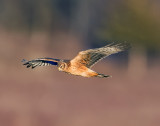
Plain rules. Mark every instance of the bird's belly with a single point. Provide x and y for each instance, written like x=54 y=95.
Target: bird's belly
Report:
x=82 y=71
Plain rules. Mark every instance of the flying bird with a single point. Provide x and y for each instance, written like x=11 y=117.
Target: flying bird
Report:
x=82 y=63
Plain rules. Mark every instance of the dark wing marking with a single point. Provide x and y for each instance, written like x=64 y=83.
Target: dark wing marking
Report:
x=41 y=62
x=92 y=56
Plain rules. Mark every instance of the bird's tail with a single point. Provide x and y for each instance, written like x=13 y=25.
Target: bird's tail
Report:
x=103 y=76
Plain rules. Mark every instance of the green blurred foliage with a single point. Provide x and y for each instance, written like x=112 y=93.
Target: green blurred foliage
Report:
x=94 y=21
x=28 y=15
x=134 y=21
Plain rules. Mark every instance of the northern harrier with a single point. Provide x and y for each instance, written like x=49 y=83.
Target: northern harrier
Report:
x=82 y=63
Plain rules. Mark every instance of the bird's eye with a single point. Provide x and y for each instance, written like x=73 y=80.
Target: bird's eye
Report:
x=62 y=66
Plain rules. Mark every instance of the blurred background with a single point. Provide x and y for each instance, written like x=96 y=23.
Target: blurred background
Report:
x=32 y=29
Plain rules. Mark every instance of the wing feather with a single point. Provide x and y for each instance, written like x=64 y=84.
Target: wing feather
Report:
x=41 y=62
x=92 y=56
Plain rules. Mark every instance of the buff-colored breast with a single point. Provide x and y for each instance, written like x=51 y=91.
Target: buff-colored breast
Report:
x=81 y=70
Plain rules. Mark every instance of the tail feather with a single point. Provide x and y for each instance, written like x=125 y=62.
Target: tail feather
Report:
x=103 y=76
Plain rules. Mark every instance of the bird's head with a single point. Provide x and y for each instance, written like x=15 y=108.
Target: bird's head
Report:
x=62 y=66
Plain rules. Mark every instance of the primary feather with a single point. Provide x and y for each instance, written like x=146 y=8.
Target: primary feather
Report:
x=41 y=62
x=92 y=56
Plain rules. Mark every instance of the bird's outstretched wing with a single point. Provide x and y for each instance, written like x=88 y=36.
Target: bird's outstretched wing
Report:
x=41 y=62
x=92 y=56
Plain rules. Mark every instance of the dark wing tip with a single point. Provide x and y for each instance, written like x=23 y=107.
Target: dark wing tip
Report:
x=27 y=63
x=40 y=62
x=122 y=46
x=125 y=46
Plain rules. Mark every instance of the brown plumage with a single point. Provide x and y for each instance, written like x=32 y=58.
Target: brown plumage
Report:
x=82 y=63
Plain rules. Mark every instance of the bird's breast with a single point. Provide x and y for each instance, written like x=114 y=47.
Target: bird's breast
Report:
x=81 y=70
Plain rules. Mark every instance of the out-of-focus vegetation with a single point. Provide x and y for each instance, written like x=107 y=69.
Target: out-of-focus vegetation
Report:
x=95 y=21
x=135 y=21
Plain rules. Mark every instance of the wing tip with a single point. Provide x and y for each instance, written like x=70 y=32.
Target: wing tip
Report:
x=43 y=62
x=123 y=46
x=25 y=62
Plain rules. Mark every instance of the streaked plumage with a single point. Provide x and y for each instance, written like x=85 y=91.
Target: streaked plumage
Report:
x=82 y=63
